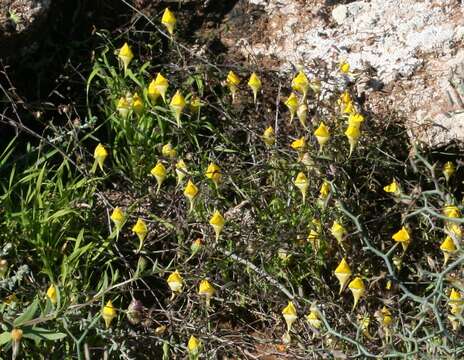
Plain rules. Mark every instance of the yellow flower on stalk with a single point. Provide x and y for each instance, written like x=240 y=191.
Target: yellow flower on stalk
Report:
x=313 y=319
x=168 y=151
x=217 y=222
x=137 y=104
x=140 y=229
x=455 y=299
x=290 y=315
x=300 y=83
x=299 y=144
x=403 y=237
x=352 y=133
x=175 y=282
x=269 y=136
x=448 y=248
x=213 y=172
x=52 y=294
x=117 y=216
x=348 y=108
x=322 y=135
x=190 y=193
x=393 y=188
x=343 y=274
x=181 y=170
x=195 y=104
x=108 y=313
x=338 y=232
x=99 y=154
x=454 y=230
x=123 y=107
x=193 y=346
x=125 y=55
x=345 y=98
x=302 y=114
x=355 y=119
x=386 y=317
x=159 y=172
x=207 y=290
x=158 y=86
x=292 y=105
x=169 y=20
x=255 y=84
x=344 y=67
x=448 y=170
x=177 y=105
x=232 y=83
x=302 y=183
x=357 y=289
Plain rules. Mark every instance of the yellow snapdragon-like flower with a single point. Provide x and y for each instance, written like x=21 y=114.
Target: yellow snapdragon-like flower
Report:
x=344 y=67
x=357 y=289
x=403 y=237
x=99 y=154
x=352 y=133
x=448 y=170
x=302 y=114
x=177 y=106
x=302 y=183
x=181 y=170
x=232 y=83
x=213 y=172
x=159 y=172
x=292 y=104
x=117 y=216
x=168 y=151
x=52 y=294
x=338 y=232
x=299 y=144
x=169 y=20
x=343 y=274
x=140 y=229
x=126 y=55
x=217 y=222
x=190 y=192
x=158 y=86
x=300 y=83
x=193 y=346
x=207 y=290
x=175 y=282
x=255 y=84
x=108 y=313
x=137 y=104
x=123 y=107
x=322 y=135
x=290 y=315
x=269 y=136
x=393 y=188
x=448 y=248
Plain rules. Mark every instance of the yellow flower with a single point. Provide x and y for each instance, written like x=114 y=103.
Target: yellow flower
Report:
x=195 y=104
x=455 y=302
x=448 y=248
x=52 y=294
x=325 y=190
x=448 y=170
x=125 y=55
x=454 y=230
x=402 y=237
x=169 y=20
x=193 y=346
x=207 y=290
x=175 y=282
x=393 y=188
x=196 y=246
x=177 y=106
x=168 y=151
x=313 y=319
x=108 y=313
x=292 y=105
x=213 y=172
x=345 y=67
x=158 y=86
x=181 y=170
x=159 y=172
x=322 y=135
x=299 y=144
x=190 y=193
x=255 y=84
x=386 y=317
x=290 y=315
x=141 y=230
x=357 y=289
x=16 y=335
x=137 y=104
x=451 y=211
x=355 y=119
x=117 y=216
x=217 y=222
x=302 y=183
x=338 y=231
x=300 y=83
x=100 y=154
x=348 y=108
x=302 y=113
x=313 y=239
x=343 y=273
x=352 y=133
x=232 y=82
x=345 y=98
x=123 y=107
x=269 y=136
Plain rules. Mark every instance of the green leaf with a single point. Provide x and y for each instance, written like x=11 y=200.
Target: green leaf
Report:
x=5 y=337
x=28 y=314
x=38 y=334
